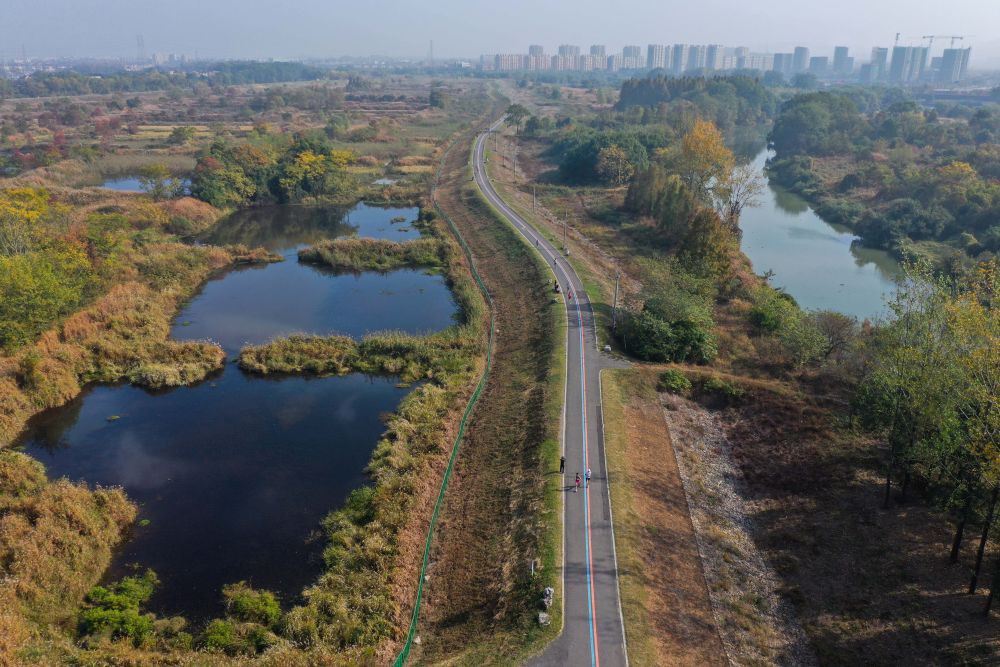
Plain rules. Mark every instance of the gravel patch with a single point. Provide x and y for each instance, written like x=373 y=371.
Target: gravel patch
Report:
x=756 y=625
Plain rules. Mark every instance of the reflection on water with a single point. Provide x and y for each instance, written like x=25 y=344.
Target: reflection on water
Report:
x=819 y=264
x=234 y=474
x=133 y=184
x=288 y=228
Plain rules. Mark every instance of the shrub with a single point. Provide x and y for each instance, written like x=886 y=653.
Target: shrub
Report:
x=246 y=604
x=771 y=309
x=716 y=388
x=651 y=338
x=220 y=635
x=114 y=611
x=674 y=382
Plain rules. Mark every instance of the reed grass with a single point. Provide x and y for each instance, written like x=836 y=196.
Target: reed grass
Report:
x=374 y=254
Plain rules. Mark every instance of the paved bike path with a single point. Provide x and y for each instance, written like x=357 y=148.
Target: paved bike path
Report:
x=593 y=631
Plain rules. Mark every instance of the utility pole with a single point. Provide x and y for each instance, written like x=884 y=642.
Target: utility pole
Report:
x=614 y=308
x=534 y=196
x=565 y=245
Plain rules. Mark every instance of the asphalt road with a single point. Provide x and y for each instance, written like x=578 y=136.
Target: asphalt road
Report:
x=593 y=631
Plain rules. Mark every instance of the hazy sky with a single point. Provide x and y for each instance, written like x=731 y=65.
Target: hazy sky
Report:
x=301 y=28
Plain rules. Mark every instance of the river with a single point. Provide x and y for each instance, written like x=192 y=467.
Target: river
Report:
x=819 y=264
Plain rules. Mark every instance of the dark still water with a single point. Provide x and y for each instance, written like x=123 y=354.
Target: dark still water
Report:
x=233 y=475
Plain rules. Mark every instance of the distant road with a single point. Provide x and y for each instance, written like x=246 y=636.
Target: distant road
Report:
x=593 y=631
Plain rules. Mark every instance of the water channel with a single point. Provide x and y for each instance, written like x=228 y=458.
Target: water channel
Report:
x=819 y=264
x=234 y=474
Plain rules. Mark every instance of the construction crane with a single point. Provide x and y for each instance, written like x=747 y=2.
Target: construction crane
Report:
x=931 y=39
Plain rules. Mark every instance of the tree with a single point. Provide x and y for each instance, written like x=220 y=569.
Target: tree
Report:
x=703 y=161
x=974 y=318
x=22 y=212
x=908 y=396
x=157 y=181
x=438 y=98
x=516 y=114
x=613 y=165
x=739 y=189
x=181 y=135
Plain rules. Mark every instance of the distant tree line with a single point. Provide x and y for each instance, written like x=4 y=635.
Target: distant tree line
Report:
x=46 y=84
x=725 y=100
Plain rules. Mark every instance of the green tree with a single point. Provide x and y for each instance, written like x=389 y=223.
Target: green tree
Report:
x=516 y=114
x=613 y=166
x=180 y=135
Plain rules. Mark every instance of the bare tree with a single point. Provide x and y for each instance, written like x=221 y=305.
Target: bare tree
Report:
x=741 y=189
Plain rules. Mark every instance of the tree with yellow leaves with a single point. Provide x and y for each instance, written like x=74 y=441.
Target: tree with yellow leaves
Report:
x=703 y=161
x=22 y=212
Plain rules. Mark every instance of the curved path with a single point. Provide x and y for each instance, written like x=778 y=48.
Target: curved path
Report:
x=593 y=631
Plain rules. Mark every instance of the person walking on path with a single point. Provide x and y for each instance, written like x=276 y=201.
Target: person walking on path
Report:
x=562 y=464
x=577 y=488
x=587 y=477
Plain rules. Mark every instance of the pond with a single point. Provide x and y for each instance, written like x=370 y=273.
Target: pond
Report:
x=234 y=474
x=821 y=265
x=132 y=184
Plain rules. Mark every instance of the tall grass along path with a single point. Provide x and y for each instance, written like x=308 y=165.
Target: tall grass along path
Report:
x=411 y=632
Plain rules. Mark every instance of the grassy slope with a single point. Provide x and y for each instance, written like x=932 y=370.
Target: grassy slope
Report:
x=500 y=502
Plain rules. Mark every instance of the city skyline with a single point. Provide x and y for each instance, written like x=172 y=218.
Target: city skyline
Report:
x=315 y=29
x=903 y=64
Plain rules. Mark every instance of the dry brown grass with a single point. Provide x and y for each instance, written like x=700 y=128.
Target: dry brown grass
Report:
x=56 y=539
x=667 y=609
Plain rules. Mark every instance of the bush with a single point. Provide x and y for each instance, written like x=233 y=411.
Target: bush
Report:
x=674 y=382
x=248 y=605
x=771 y=309
x=654 y=339
x=114 y=611
x=220 y=635
x=716 y=388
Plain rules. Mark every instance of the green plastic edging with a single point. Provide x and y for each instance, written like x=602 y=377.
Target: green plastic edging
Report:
x=405 y=652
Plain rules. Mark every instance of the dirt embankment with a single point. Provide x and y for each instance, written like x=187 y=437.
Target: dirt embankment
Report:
x=492 y=524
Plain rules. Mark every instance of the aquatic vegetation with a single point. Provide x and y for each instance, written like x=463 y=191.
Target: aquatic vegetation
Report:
x=374 y=254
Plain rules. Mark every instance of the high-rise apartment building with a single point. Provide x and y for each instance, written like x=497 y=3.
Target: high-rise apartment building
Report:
x=879 y=64
x=800 y=59
x=569 y=50
x=842 y=62
x=656 y=56
x=632 y=57
x=819 y=65
x=783 y=63
x=696 y=57
x=597 y=50
x=713 y=56
x=536 y=50
x=763 y=62
x=954 y=63
x=510 y=62
x=908 y=63
x=678 y=58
